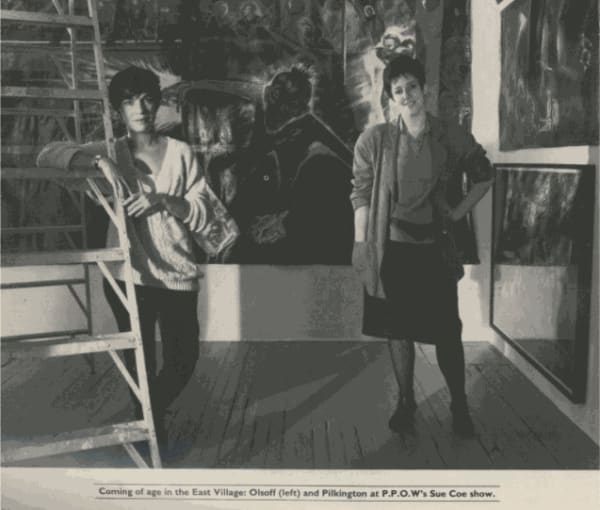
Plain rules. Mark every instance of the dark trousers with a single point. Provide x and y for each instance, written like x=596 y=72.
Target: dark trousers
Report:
x=176 y=314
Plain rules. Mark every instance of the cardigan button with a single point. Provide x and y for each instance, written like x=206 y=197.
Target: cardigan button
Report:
x=266 y=178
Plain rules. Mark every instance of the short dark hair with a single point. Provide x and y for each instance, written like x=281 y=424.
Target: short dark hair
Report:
x=400 y=65
x=131 y=82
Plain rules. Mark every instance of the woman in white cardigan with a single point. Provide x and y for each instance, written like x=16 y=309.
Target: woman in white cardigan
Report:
x=165 y=204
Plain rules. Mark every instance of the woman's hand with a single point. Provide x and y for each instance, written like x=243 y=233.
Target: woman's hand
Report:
x=360 y=256
x=139 y=204
x=475 y=194
x=108 y=168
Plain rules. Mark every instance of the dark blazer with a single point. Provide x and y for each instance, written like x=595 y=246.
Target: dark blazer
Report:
x=457 y=160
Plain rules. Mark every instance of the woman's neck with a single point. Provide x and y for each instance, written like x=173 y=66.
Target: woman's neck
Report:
x=143 y=141
x=415 y=125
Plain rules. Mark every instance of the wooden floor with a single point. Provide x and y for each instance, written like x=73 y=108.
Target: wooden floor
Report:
x=303 y=405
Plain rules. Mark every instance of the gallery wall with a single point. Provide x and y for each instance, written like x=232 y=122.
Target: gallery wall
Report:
x=319 y=302
x=272 y=302
x=486 y=91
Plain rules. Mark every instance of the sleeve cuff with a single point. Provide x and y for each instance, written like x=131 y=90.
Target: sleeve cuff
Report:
x=196 y=219
x=358 y=202
x=56 y=158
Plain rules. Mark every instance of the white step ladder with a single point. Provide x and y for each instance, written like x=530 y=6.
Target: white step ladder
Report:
x=53 y=344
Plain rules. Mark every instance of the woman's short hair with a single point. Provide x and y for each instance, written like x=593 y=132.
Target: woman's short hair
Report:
x=131 y=82
x=400 y=65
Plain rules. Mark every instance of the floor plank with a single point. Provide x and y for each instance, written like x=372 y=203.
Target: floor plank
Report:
x=561 y=438
x=305 y=405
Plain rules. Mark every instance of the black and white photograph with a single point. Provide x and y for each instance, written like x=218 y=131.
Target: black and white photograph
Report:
x=299 y=253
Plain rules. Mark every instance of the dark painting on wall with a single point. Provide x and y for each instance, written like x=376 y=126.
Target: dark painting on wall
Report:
x=262 y=91
x=256 y=87
x=541 y=215
x=454 y=99
x=549 y=74
x=277 y=166
x=542 y=238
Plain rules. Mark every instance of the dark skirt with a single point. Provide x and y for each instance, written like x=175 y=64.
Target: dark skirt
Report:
x=421 y=296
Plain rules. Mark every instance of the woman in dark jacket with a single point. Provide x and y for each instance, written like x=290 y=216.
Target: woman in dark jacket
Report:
x=408 y=203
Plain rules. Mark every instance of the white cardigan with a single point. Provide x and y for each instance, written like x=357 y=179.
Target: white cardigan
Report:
x=161 y=245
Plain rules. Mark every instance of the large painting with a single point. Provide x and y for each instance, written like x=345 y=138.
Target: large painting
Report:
x=270 y=93
x=256 y=87
x=549 y=82
x=542 y=267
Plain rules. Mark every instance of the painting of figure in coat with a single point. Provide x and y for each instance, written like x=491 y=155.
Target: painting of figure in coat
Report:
x=280 y=170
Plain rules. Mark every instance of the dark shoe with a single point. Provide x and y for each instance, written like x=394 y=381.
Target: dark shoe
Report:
x=403 y=418
x=462 y=425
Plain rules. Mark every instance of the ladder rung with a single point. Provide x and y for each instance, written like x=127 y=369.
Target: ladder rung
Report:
x=48 y=173
x=41 y=229
x=29 y=112
x=42 y=283
x=14 y=450
x=55 y=93
x=42 y=18
x=45 y=335
x=69 y=345
x=43 y=46
x=62 y=257
x=20 y=150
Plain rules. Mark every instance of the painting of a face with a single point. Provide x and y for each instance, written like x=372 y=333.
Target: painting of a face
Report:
x=249 y=10
x=217 y=123
x=397 y=40
x=287 y=96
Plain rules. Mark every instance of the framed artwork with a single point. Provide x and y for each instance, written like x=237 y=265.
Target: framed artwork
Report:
x=542 y=265
x=549 y=74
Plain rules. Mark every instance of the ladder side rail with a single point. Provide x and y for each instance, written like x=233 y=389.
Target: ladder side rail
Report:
x=80 y=345
x=135 y=325
x=135 y=456
x=124 y=241
x=113 y=283
x=59 y=8
x=74 y=73
x=72 y=31
x=125 y=373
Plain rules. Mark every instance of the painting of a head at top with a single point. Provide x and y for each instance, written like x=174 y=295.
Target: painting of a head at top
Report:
x=549 y=75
